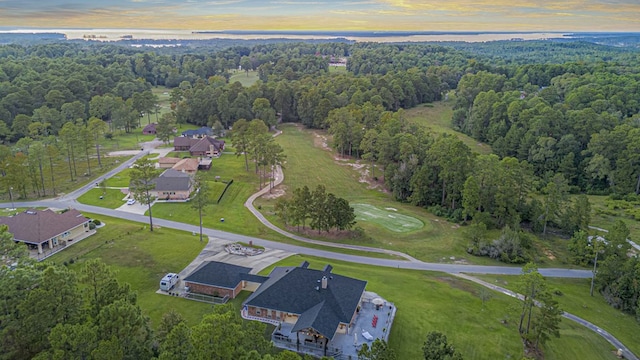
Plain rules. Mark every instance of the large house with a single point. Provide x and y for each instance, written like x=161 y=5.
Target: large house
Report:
x=46 y=229
x=206 y=146
x=188 y=165
x=314 y=305
x=150 y=129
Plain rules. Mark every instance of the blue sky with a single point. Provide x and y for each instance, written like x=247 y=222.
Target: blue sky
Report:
x=430 y=15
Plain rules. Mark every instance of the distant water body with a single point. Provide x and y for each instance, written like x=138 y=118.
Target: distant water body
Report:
x=360 y=36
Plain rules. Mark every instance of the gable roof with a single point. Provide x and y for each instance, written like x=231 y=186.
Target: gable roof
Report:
x=181 y=141
x=172 y=180
x=205 y=143
x=298 y=290
x=222 y=275
x=168 y=160
x=37 y=226
x=205 y=130
x=187 y=165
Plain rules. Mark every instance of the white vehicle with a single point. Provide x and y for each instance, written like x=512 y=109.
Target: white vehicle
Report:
x=131 y=201
x=169 y=281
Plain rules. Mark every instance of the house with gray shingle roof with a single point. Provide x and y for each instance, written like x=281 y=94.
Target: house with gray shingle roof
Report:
x=315 y=304
x=173 y=185
x=45 y=228
x=221 y=279
x=206 y=146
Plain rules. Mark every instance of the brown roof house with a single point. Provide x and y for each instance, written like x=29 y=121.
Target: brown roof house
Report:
x=206 y=146
x=173 y=185
x=311 y=308
x=167 y=162
x=46 y=229
x=150 y=129
x=222 y=280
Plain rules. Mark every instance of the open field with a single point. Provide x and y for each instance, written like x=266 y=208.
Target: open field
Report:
x=387 y=218
x=121 y=179
x=437 y=118
x=575 y=299
x=436 y=302
x=141 y=258
x=245 y=78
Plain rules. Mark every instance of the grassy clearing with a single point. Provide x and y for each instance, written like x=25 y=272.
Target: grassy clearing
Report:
x=575 y=299
x=245 y=78
x=430 y=301
x=605 y=212
x=141 y=258
x=437 y=118
x=387 y=218
x=111 y=198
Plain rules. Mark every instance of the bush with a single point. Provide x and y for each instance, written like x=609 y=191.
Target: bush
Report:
x=97 y=222
x=92 y=226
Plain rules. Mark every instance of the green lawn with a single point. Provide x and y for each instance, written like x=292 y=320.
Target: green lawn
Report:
x=141 y=258
x=111 y=198
x=575 y=299
x=428 y=301
x=437 y=118
x=246 y=79
x=390 y=219
x=121 y=179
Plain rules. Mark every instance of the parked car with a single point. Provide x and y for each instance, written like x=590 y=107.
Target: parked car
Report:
x=131 y=201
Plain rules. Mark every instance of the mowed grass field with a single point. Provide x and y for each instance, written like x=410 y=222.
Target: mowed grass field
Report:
x=428 y=301
x=111 y=198
x=141 y=258
x=437 y=118
x=575 y=299
x=390 y=219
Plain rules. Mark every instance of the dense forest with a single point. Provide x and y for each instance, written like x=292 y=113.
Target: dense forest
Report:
x=562 y=118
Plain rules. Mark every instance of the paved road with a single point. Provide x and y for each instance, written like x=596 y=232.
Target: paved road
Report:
x=400 y=264
x=610 y=338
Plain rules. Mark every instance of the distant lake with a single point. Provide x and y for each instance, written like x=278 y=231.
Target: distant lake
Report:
x=360 y=36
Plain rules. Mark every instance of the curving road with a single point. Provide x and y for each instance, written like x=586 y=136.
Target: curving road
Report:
x=68 y=200
x=607 y=336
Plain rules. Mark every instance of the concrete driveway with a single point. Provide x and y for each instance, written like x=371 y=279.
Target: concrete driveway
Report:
x=136 y=208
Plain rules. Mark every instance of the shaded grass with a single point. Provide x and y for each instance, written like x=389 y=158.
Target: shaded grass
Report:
x=575 y=299
x=605 y=212
x=437 y=118
x=141 y=258
x=112 y=198
x=428 y=301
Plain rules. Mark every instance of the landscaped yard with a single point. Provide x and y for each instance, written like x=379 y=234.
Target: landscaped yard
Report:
x=389 y=218
x=141 y=258
x=111 y=198
x=429 y=301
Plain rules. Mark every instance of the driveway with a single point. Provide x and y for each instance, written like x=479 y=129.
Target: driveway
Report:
x=136 y=208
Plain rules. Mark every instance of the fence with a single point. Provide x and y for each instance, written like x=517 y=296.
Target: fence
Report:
x=224 y=191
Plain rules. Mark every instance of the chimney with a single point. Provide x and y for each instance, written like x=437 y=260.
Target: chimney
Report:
x=324 y=282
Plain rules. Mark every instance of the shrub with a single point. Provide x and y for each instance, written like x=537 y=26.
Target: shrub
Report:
x=92 y=226
x=97 y=222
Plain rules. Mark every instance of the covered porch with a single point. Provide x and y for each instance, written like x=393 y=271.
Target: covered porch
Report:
x=307 y=341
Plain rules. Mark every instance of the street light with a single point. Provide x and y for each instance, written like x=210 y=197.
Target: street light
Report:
x=11 y=197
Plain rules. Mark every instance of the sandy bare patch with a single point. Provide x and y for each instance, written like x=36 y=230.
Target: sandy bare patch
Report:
x=320 y=141
x=549 y=254
x=275 y=193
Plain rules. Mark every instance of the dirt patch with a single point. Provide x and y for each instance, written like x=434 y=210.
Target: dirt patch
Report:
x=363 y=170
x=549 y=254
x=321 y=141
x=275 y=193
x=458 y=284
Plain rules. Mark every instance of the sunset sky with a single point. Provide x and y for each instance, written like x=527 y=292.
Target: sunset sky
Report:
x=426 y=15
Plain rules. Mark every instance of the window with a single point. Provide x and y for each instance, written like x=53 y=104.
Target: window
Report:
x=257 y=311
